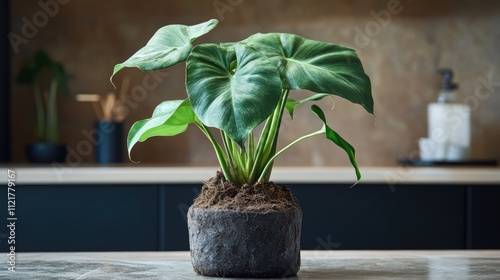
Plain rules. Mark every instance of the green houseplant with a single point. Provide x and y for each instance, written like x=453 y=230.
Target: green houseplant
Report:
x=234 y=87
x=40 y=68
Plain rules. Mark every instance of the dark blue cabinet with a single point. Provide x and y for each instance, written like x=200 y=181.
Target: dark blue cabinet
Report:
x=374 y=217
x=85 y=218
x=153 y=217
x=484 y=217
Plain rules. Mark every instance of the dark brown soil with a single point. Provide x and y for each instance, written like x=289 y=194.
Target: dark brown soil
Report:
x=218 y=193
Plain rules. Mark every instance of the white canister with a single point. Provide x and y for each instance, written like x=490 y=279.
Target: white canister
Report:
x=449 y=128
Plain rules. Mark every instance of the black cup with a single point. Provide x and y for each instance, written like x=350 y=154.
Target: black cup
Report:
x=109 y=141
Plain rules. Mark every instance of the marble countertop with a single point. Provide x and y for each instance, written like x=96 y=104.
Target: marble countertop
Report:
x=470 y=264
x=143 y=174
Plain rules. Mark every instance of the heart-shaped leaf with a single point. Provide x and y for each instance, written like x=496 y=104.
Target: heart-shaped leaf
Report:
x=234 y=100
x=316 y=66
x=169 y=118
x=335 y=138
x=170 y=45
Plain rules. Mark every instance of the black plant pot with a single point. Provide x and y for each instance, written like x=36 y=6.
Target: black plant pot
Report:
x=233 y=243
x=46 y=152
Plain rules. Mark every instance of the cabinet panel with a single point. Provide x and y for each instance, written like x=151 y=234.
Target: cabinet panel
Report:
x=86 y=218
x=178 y=198
x=376 y=217
x=485 y=217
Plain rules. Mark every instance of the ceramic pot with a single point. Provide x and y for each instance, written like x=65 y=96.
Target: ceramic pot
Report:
x=232 y=243
x=46 y=152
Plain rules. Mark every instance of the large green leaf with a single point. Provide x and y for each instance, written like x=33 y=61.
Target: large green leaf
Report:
x=170 y=45
x=234 y=100
x=335 y=138
x=169 y=118
x=317 y=66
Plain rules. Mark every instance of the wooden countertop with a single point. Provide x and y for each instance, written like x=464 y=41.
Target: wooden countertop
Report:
x=141 y=174
x=457 y=264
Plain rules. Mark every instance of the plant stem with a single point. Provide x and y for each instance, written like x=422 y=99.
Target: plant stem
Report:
x=236 y=162
x=268 y=138
x=270 y=162
x=218 y=151
x=272 y=140
x=259 y=154
x=52 y=129
x=40 y=115
x=227 y=146
x=251 y=153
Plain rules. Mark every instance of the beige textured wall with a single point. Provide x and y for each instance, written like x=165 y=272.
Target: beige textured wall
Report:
x=401 y=53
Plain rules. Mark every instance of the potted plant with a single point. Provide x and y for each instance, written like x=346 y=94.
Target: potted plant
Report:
x=242 y=224
x=47 y=148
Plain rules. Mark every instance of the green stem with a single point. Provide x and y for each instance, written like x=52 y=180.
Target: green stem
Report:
x=267 y=142
x=218 y=151
x=235 y=161
x=40 y=115
x=259 y=154
x=270 y=162
x=52 y=129
x=227 y=146
x=272 y=141
x=251 y=153
x=242 y=162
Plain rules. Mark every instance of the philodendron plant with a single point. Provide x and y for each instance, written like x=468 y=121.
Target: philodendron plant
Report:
x=236 y=86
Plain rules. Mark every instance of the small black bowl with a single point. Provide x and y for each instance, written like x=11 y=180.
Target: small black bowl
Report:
x=41 y=152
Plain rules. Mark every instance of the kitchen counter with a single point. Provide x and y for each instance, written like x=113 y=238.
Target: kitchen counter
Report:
x=141 y=174
x=457 y=264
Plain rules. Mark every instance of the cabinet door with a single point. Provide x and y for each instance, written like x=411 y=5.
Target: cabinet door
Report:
x=484 y=219
x=177 y=199
x=85 y=218
x=379 y=217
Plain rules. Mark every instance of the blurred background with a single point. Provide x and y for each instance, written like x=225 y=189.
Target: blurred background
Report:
x=402 y=44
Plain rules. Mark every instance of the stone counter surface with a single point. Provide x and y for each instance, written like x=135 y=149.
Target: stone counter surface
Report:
x=141 y=174
x=437 y=265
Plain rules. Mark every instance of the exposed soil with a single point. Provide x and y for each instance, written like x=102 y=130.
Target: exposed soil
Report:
x=218 y=193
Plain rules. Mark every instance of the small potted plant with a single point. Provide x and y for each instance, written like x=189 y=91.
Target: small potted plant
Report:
x=242 y=224
x=47 y=149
